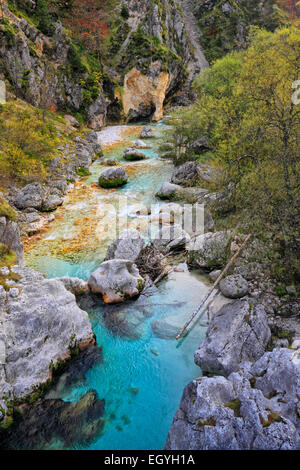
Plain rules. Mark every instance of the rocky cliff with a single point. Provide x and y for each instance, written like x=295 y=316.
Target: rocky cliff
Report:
x=149 y=58
x=159 y=56
x=48 y=71
x=224 y=25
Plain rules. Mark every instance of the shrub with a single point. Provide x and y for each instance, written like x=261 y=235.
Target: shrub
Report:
x=124 y=12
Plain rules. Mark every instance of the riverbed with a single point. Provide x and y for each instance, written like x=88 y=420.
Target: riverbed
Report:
x=143 y=373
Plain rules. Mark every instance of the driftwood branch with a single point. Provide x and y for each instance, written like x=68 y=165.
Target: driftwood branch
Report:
x=232 y=260
x=162 y=275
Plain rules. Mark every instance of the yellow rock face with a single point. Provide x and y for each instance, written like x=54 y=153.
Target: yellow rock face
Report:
x=144 y=90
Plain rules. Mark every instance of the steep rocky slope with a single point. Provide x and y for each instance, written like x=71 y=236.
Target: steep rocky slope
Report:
x=48 y=71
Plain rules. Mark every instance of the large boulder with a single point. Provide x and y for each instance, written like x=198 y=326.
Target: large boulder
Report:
x=128 y=245
x=32 y=195
x=39 y=326
x=200 y=145
x=113 y=178
x=167 y=190
x=167 y=238
x=210 y=250
x=183 y=194
x=147 y=133
x=116 y=280
x=239 y=332
x=277 y=375
x=36 y=196
x=234 y=286
x=227 y=414
x=10 y=237
x=191 y=173
x=51 y=202
x=133 y=154
x=140 y=144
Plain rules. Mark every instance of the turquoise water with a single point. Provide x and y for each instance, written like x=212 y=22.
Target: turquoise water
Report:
x=142 y=375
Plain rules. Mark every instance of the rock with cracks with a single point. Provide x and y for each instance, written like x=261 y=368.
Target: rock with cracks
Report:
x=239 y=332
x=234 y=286
x=116 y=280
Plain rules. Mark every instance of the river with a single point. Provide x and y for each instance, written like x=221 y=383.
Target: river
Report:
x=142 y=375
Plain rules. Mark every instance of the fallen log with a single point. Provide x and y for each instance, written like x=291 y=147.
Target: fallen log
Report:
x=224 y=271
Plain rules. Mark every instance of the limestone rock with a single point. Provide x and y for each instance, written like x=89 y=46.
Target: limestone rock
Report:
x=133 y=154
x=239 y=332
x=128 y=245
x=213 y=275
x=97 y=112
x=277 y=375
x=10 y=236
x=71 y=121
x=200 y=145
x=140 y=144
x=31 y=195
x=113 y=177
x=74 y=284
x=184 y=194
x=168 y=238
x=147 y=133
x=36 y=56
x=191 y=173
x=167 y=190
x=38 y=327
x=210 y=250
x=51 y=202
x=92 y=138
x=145 y=94
x=109 y=162
x=116 y=280
x=2 y=296
x=234 y=286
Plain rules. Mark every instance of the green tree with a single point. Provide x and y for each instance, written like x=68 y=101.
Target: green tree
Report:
x=124 y=12
x=27 y=142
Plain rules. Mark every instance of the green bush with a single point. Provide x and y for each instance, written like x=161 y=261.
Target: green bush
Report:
x=124 y=12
